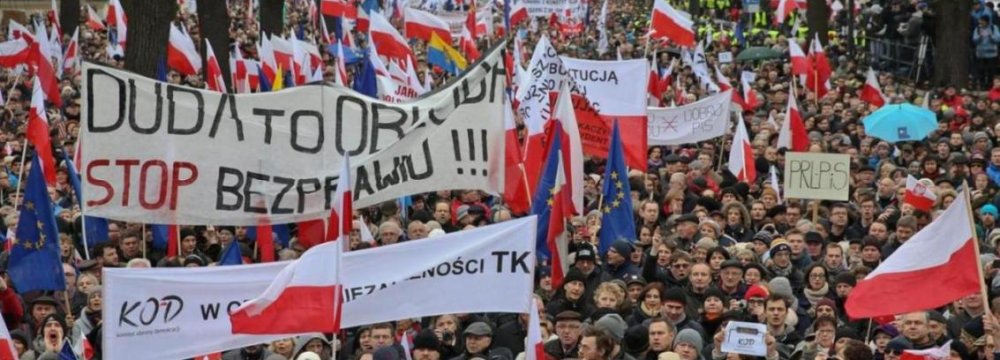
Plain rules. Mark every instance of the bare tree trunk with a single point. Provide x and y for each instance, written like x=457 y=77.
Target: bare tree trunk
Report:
x=214 y=19
x=952 y=43
x=272 y=16
x=818 y=16
x=149 y=31
x=69 y=16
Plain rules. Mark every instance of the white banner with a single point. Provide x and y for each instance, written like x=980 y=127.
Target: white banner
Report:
x=612 y=87
x=393 y=91
x=160 y=153
x=179 y=313
x=544 y=8
x=699 y=121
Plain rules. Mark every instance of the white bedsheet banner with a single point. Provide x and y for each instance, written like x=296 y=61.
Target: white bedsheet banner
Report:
x=160 y=153
x=699 y=121
x=179 y=313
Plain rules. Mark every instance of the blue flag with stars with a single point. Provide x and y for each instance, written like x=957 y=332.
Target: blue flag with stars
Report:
x=541 y=203
x=231 y=254
x=34 y=256
x=616 y=211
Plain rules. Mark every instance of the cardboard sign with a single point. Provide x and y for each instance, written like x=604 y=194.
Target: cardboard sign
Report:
x=725 y=57
x=817 y=176
x=745 y=338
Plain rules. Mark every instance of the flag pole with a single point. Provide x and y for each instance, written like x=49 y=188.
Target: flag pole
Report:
x=143 y=240
x=20 y=172
x=975 y=244
x=86 y=247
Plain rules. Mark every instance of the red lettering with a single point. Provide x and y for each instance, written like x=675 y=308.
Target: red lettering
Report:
x=127 y=171
x=176 y=181
x=109 y=191
x=162 y=190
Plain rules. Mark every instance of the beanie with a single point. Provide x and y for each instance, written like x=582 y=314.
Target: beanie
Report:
x=636 y=339
x=675 y=295
x=426 y=339
x=846 y=278
x=690 y=337
x=574 y=274
x=622 y=247
x=716 y=293
x=756 y=291
x=781 y=286
x=614 y=325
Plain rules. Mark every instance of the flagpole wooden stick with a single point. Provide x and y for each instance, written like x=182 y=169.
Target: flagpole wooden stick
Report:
x=86 y=248
x=975 y=244
x=177 y=229
x=143 y=240
x=20 y=172
x=69 y=309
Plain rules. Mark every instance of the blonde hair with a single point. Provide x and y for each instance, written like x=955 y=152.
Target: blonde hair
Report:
x=614 y=290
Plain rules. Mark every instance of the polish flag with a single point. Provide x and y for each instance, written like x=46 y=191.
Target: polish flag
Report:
x=421 y=24
x=38 y=132
x=918 y=195
x=342 y=215
x=741 y=161
x=14 y=52
x=938 y=265
x=536 y=345
x=339 y=8
x=238 y=71
x=800 y=63
x=173 y=240
x=268 y=62
x=341 y=73
x=213 y=73
x=182 y=55
x=572 y=149
x=673 y=24
x=562 y=207
x=71 y=58
x=818 y=78
x=942 y=352
x=7 y=350
x=750 y=100
x=93 y=21
x=388 y=41
x=304 y=297
x=468 y=45
x=116 y=17
x=17 y=31
x=366 y=233
x=784 y=10
x=793 y=135
x=872 y=92
x=775 y=185
x=515 y=193
x=518 y=13
x=724 y=83
x=284 y=53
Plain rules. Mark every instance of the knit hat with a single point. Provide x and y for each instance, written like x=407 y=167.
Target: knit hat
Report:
x=781 y=286
x=574 y=274
x=888 y=329
x=636 y=339
x=763 y=236
x=622 y=247
x=675 y=294
x=690 y=337
x=426 y=339
x=845 y=332
x=779 y=246
x=846 y=278
x=813 y=237
x=756 y=291
x=989 y=209
x=937 y=317
x=760 y=269
x=308 y=355
x=716 y=293
x=827 y=302
x=614 y=325
x=386 y=353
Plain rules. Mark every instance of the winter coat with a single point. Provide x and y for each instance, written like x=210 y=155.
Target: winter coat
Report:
x=986 y=40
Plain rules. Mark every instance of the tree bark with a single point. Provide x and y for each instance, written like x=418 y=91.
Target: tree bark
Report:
x=952 y=43
x=818 y=15
x=272 y=16
x=214 y=19
x=148 y=33
x=69 y=16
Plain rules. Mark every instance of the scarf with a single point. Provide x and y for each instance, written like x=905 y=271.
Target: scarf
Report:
x=814 y=296
x=647 y=311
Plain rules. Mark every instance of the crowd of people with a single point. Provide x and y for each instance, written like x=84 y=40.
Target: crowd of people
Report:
x=708 y=249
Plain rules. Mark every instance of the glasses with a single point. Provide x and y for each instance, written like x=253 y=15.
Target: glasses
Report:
x=680 y=266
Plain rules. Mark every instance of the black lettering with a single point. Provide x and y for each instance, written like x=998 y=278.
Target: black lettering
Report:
x=132 y=122
x=268 y=115
x=519 y=261
x=362 y=184
x=210 y=311
x=341 y=118
x=499 y=255
x=248 y=205
x=276 y=206
x=378 y=113
x=320 y=135
x=91 y=119
x=428 y=164
x=123 y=318
x=233 y=189
x=171 y=110
x=233 y=114
x=301 y=190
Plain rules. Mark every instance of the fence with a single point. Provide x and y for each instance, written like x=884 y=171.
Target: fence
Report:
x=910 y=60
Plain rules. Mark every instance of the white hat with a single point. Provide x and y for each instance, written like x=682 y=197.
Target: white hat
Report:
x=308 y=355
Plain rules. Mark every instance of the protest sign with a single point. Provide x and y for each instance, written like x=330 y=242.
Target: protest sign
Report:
x=699 y=121
x=162 y=153
x=725 y=57
x=456 y=19
x=545 y=8
x=745 y=338
x=610 y=90
x=178 y=313
x=817 y=176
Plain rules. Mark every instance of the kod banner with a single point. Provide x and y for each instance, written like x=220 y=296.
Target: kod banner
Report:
x=164 y=153
x=169 y=314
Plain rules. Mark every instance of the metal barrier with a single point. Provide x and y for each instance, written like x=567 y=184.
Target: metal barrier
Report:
x=904 y=59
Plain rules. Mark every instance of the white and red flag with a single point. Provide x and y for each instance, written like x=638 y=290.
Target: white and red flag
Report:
x=938 y=265
x=872 y=92
x=800 y=63
x=672 y=24
x=385 y=37
x=793 y=135
x=38 y=133
x=213 y=73
x=182 y=55
x=536 y=345
x=741 y=161
x=421 y=24
x=93 y=21
x=918 y=194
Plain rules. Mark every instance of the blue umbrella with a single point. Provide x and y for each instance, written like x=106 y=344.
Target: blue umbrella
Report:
x=900 y=122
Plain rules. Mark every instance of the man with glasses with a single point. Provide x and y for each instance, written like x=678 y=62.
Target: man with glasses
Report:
x=568 y=330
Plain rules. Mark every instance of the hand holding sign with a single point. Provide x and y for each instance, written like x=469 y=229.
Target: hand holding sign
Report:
x=745 y=338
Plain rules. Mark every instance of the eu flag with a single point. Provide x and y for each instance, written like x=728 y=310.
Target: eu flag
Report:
x=34 y=256
x=541 y=204
x=365 y=82
x=231 y=254
x=67 y=352
x=283 y=234
x=616 y=219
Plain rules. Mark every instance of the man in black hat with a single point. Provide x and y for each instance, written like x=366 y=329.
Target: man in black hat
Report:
x=685 y=231
x=569 y=327
x=814 y=245
x=585 y=260
x=41 y=307
x=731 y=279
x=618 y=264
x=426 y=346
